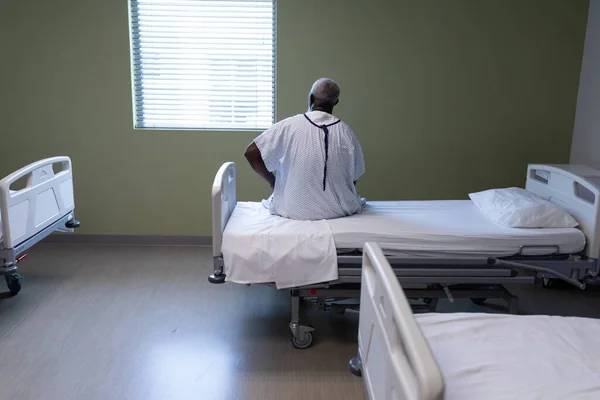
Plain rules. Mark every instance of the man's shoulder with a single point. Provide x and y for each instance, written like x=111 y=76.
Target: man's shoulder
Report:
x=344 y=125
x=277 y=128
x=284 y=125
x=346 y=128
x=289 y=120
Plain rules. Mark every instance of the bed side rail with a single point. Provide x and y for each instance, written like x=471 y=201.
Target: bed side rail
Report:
x=46 y=198
x=576 y=188
x=396 y=359
x=223 y=203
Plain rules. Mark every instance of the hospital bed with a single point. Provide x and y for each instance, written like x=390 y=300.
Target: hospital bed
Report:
x=34 y=202
x=437 y=249
x=467 y=355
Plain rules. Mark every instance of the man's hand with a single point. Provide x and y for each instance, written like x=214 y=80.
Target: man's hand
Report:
x=258 y=165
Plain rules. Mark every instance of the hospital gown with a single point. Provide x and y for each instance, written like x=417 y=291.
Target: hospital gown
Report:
x=309 y=185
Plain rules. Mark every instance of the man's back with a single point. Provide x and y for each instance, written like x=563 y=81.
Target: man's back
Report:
x=318 y=159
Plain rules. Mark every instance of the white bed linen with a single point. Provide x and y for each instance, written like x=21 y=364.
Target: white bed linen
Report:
x=445 y=226
x=493 y=357
x=263 y=248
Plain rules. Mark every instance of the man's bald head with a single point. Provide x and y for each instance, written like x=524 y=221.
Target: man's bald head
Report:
x=323 y=95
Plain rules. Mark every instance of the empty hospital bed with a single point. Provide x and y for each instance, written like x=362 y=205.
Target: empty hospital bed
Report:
x=466 y=356
x=34 y=202
x=437 y=248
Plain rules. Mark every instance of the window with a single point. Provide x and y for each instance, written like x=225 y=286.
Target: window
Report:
x=200 y=64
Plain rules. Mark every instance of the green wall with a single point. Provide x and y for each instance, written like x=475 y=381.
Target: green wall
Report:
x=446 y=97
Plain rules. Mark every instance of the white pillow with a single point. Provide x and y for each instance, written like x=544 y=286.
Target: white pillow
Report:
x=518 y=208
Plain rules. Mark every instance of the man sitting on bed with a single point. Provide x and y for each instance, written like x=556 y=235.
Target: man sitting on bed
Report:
x=317 y=157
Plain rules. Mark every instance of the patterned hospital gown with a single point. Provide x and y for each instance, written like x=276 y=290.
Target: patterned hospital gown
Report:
x=307 y=186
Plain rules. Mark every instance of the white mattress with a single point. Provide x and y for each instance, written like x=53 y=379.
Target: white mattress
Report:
x=448 y=227
x=492 y=356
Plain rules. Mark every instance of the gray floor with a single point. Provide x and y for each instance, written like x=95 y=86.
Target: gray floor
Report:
x=143 y=323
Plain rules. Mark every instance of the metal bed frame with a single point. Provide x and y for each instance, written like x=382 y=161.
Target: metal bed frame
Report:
x=46 y=204
x=433 y=278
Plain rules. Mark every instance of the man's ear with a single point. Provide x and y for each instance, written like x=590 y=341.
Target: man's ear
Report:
x=311 y=100
x=336 y=102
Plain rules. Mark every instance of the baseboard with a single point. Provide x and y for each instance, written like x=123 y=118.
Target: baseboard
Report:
x=128 y=240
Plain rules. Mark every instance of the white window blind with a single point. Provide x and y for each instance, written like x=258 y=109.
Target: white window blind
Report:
x=200 y=64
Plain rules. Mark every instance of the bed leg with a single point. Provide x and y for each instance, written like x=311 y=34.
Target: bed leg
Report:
x=73 y=223
x=302 y=336
x=513 y=302
x=218 y=276
x=216 y=279
x=13 y=281
x=355 y=366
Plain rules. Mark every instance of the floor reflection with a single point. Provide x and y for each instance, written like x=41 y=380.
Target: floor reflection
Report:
x=190 y=369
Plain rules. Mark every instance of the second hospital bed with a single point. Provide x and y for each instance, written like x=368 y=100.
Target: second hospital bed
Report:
x=468 y=356
x=35 y=201
x=436 y=248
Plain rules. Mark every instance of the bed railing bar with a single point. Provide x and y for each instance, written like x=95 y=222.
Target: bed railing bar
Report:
x=548 y=271
x=455 y=280
x=224 y=201
x=346 y=279
x=333 y=293
x=449 y=280
x=398 y=261
x=421 y=376
x=424 y=271
x=456 y=272
x=356 y=259
x=457 y=293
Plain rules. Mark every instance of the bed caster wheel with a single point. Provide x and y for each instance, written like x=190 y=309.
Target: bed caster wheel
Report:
x=13 y=281
x=216 y=279
x=479 y=300
x=73 y=223
x=303 y=343
x=355 y=366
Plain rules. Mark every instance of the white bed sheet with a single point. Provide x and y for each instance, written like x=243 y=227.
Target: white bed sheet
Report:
x=493 y=356
x=263 y=248
x=446 y=227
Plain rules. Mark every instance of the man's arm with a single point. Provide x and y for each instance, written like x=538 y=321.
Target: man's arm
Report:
x=359 y=161
x=258 y=165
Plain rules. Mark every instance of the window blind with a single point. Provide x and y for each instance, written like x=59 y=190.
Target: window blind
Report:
x=200 y=64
